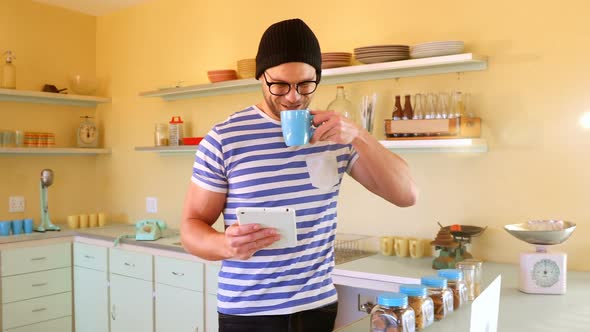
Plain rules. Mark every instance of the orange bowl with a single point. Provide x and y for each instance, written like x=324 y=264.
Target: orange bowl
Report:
x=222 y=75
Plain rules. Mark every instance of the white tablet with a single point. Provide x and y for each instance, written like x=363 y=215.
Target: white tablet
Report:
x=281 y=219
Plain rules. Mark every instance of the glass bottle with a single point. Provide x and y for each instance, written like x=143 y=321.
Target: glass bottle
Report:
x=458 y=106
x=418 y=107
x=8 y=72
x=392 y=313
x=397 y=109
x=408 y=112
x=456 y=283
x=422 y=304
x=430 y=112
x=443 y=106
x=342 y=105
x=441 y=295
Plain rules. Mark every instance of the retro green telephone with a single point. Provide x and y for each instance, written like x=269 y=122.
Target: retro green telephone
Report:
x=149 y=229
x=145 y=230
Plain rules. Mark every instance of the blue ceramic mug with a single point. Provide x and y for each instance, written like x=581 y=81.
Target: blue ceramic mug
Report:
x=5 y=227
x=297 y=126
x=28 y=225
x=17 y=226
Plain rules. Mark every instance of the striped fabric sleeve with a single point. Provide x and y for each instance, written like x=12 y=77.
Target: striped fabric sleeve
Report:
x=354 y=156
x=209 y=166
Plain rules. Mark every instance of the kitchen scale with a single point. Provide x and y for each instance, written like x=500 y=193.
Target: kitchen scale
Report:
x=451 y=244
x=542 y=272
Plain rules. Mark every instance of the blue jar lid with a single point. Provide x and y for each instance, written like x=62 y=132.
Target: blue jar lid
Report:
x=392 y=300
x=451 y=274
x=434 y=281
x=413 y=290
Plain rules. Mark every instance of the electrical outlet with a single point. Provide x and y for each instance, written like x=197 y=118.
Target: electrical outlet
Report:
x=365 y=303
x=151 y=204
x=16 y=204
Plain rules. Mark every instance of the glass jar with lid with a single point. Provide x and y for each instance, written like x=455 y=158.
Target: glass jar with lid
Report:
x=478 y=264
x=441 y=295
x=468 y=269
x=392 y=313
x=456 y=283
x=161 y=134
x=422 y=304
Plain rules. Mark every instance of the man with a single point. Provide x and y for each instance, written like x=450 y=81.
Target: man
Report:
x=244 y=162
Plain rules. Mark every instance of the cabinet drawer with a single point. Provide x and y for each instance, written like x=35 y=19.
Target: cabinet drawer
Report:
x=92 y=257
x=212 y=271
x=63 y=324
x=132 y=264
x=33 y=259
x=36 y=310
x=179 y=273
x=37 y=284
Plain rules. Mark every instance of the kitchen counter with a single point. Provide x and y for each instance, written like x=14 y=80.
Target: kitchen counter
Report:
x=170 y=237
x=518 y=311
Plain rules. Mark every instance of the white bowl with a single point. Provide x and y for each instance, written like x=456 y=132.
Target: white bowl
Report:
x=83 y=85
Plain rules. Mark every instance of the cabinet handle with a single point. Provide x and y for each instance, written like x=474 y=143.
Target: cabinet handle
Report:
x=88 y=256
x=39 y=285
x=129 y=264
x=38 y=258
x=113 y=315
x=39 y=310
x=179 y=274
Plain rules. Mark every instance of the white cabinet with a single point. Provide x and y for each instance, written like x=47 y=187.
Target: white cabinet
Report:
x=211 y=316
x=37 y=288
x=132 y=305
x=131 y=291
x=179 y=281
x=178 y=309
x=91 y=301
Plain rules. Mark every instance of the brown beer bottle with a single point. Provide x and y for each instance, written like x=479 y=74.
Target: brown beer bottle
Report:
x=397 y=109
x=408 y=113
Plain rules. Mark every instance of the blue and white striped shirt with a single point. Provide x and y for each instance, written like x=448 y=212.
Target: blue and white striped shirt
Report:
x=246 y=158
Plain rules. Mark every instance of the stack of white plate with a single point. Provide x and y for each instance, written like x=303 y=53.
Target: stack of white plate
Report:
x=335 y=59
x=382 y=53
x=437 y=48
x=247 y=68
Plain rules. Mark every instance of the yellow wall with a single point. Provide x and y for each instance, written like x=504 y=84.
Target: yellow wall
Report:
x=530 y=100
x=49 y=43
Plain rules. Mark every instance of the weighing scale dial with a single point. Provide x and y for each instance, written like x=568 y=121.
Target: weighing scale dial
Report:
x=545 y=272
x=87 y=133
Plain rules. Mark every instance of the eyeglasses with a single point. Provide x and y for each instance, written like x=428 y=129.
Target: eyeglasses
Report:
x=282 y=88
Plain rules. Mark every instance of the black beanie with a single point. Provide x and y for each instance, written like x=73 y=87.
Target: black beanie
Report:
x=288 y=41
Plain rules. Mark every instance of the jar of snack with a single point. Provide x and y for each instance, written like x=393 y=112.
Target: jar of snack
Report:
x=456 y=283
x=422 y=304
x=392 y=313
x=441 y=295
